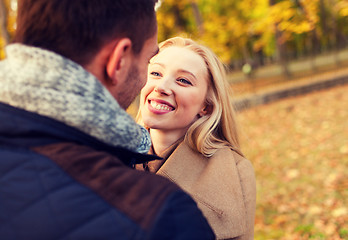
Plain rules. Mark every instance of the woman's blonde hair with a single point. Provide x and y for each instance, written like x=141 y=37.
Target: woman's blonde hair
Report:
x=217 y=128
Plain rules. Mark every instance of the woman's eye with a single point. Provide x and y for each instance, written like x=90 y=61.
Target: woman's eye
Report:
x=156 y=74
x=184 y=81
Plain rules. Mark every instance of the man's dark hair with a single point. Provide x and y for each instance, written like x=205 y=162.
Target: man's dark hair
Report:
x=77 y=29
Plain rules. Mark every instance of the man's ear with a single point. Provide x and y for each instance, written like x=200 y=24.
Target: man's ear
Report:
x=119 y=60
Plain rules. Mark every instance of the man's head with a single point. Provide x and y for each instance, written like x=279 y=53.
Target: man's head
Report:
x=78 y=29
x=101 y=35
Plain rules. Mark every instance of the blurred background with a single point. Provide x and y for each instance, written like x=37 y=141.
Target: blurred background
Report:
x=299 y=144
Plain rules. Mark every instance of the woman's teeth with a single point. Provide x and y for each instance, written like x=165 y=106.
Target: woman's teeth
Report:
x=159 y=106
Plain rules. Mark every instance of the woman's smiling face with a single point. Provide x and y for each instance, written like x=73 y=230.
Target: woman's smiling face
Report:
x=175 y=92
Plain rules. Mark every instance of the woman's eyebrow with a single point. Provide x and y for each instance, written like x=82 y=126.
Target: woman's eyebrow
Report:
x=179 y=70
x=188 y=72
x=157 y=63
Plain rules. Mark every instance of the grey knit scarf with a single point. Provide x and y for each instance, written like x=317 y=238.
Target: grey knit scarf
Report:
x=43 y=82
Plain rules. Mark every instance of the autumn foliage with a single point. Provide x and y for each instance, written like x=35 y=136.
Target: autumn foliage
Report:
x=299 y=149
x=242 y=31
x=257 y=31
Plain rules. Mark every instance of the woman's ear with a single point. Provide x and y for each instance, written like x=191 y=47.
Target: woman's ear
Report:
x=207 y=109
x=119 y=60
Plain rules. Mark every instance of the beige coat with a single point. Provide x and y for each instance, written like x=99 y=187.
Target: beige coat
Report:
x=223 y=186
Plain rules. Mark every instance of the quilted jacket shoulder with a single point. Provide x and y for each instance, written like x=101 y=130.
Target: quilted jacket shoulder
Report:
x=59 y=183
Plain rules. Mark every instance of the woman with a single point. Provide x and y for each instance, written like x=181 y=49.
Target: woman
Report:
x=185 y=105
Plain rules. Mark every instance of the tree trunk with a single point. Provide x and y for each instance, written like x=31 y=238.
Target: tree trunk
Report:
x=281 y=54
x=315 y=49
x=198 y=17
x=337 y=44
x=324 y=25
x=3 y=23
x=179 y=20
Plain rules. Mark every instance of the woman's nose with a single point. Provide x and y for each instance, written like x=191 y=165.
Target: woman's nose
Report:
x=163 y=87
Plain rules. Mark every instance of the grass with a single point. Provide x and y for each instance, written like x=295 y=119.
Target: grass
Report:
x=299 y=149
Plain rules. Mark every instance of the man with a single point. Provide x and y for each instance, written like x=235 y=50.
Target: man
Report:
x=66 y=143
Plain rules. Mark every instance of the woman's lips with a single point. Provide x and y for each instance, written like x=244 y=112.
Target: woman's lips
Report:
x=160 y=106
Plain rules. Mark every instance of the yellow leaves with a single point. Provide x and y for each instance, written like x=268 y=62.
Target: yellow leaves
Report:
x=289 y=19
x=280 y=220
x=301 y=174
x=172 y=2
x=315 y=210
x=311 y=10
x=2 y=42
x=330 y=179
x=344 y=11
x=166 y=21
x=344 y=149
x=298 y=28
x=12 y=14
x=341 y=7
x=228 y=26
x=330 y=229
x=259 y=9
x=282 y=11
x=292 y=174
x=339 y=212
x=2 y=50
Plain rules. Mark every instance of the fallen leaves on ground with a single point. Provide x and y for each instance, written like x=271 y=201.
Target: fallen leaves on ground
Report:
x=299 y=149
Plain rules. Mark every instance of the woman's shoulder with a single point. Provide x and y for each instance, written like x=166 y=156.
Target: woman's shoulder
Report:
x=228 y=154
x=223 y=156
x=227 y=185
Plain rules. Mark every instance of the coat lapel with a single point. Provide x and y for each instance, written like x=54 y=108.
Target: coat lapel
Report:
x=215 y=185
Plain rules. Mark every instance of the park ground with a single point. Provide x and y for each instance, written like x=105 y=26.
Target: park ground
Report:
x=299 y=149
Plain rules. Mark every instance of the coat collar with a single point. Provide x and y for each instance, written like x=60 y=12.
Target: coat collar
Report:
x=215 y=185
x=48 y=84
x=155 y=165
x=23 y=129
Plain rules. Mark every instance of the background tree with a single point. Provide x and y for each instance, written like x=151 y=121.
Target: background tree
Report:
x=8 y=9
x=258 y=31
x=4 y=36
